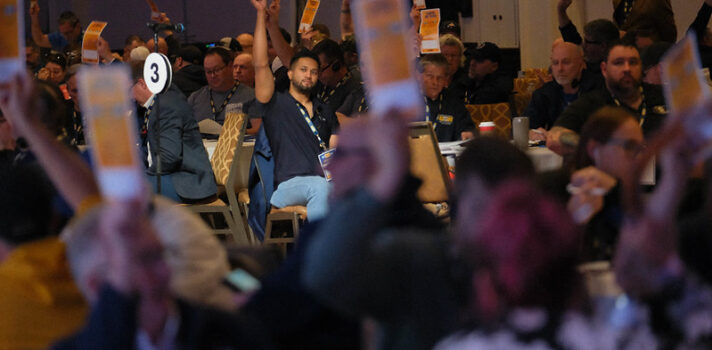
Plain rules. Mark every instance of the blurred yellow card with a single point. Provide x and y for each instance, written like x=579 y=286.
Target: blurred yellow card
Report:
x=89 y=43
x=308 y=15
x=12 y=55
x=387 y=61
x=111 y=129
x=682 y=76
x=430 y=30
x=155 y=13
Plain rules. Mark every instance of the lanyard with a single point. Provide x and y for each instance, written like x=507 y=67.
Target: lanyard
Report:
x=643 y=109
x=311 y=125
x=427 y=107
x=324 y=97
x=227 y=99
x=144 y=127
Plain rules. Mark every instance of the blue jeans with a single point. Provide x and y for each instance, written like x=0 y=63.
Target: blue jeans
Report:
x=312 y=191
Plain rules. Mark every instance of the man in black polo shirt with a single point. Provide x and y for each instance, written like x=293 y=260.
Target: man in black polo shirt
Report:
x=448 y=114
x=299 y=127
x=623 y=78
x=337 y=81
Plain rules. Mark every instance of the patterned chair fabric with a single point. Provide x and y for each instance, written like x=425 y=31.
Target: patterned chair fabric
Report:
x=523 y=89
x=499 y=113
x=227 y=144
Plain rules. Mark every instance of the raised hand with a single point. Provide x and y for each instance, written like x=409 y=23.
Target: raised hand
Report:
x=273 y=13
x=260 y=5
x=563 y=5
x=34 y=8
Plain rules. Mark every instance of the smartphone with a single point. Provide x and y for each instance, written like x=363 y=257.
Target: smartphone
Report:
x=241 y=281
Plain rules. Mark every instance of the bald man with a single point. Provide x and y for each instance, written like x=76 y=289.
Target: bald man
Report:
x=162 y=46
x=571 y=79
x=246 y=40
x=243 y=70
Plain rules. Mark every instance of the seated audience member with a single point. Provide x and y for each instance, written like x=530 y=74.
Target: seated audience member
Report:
x=231 y=44
x=186 y=173
x=298 y=126
x=74 y=125
x=622 y=74
x=134 y=307
x=642 y=37
x=704 y=35
x=526 y=291
x=209 y=102
x=138 y=54
x=54 y=70
x=450 y=118
x=337 y=81
x=33 y=58
x=611 y=141
x=452 y=28
x=39 y=302
x=454 y=51
x=421 y=297
x=162 y=46
x=651 y=57
x=663 y=261
x=598 y=34
x=243 y=69
x=132 y=41
x=68 y=37
x=634 y=14
x=246 y=40
x=484 y=82
x=350 y=49
x=188 y=72
x=571 y=80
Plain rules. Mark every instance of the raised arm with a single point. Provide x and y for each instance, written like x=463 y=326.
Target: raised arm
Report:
x=41 y=39
x=281 y=46
x=69 y=173
x=264 y=80
x=347 y=24
x=561 y=8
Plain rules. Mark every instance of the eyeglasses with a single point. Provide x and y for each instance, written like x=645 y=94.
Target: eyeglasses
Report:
x=215 y=71
x=628 y=145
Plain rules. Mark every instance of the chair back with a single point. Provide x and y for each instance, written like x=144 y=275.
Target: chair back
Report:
x=427 y=163
x=523 y=89
x=499 y=113
x=226 y=155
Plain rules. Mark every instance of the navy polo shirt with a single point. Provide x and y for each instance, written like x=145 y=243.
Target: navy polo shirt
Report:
x=294 y=145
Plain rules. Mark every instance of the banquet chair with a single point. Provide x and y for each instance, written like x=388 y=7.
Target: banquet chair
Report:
x=430 y=167
x=225 y=162
x=499 y=113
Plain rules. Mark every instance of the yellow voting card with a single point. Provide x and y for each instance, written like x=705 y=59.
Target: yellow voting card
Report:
x=308 y=15
x=155 y=13
x=430 y=30
x=90 y=41
x=12 y=55
x=111 y=129
x=387 y=61
x=685 y=85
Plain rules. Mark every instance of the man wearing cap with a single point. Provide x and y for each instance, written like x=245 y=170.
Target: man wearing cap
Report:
x=188 y=73
x=571 y=80
x=448 y=114
x=209 y=102
x=624 y=88
x=484 y=83
x=598 y=34
x=450 y=27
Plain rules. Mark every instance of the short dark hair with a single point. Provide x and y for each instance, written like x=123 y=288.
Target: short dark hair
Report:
x=26 y=203
x=493 y=160
x=599 y=127
x=602 y=30
x=225 y=54
x=617 y=43
x=330 y=49
x=57 y=58
x=52 y=106
x=322 y=28
x=68 y=17
x=303 y=53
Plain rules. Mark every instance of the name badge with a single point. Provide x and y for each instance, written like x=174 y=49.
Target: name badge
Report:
x=324 y=159
x=445 y=119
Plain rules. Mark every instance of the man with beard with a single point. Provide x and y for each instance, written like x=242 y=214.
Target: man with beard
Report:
x=622 y=72
x=299 y=127
x=570 y=81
